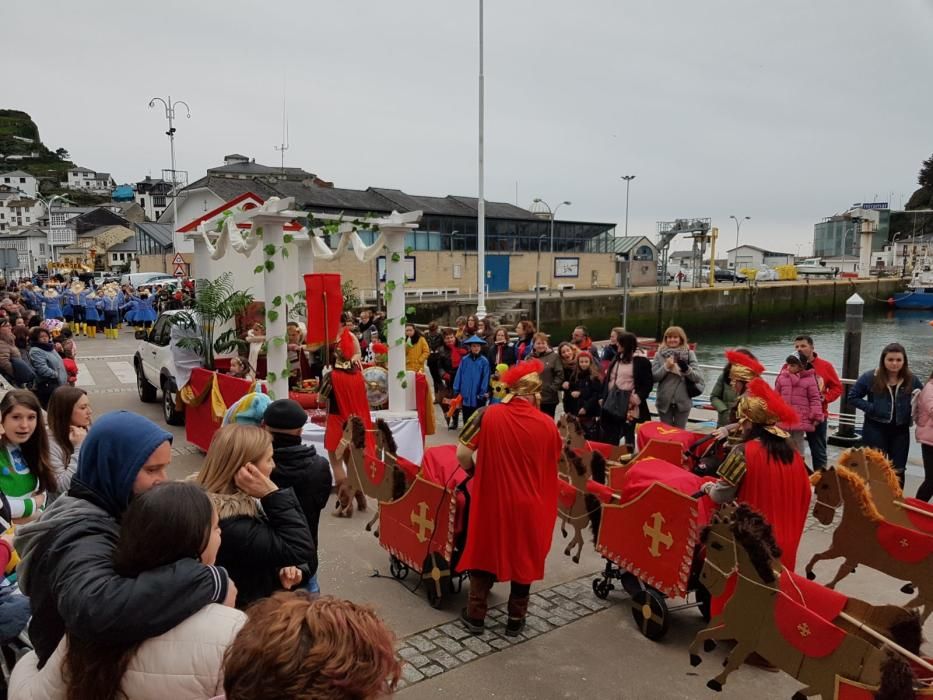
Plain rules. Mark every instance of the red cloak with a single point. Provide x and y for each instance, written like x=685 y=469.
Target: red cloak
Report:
x=349 y=398
x=780 y=492
x=514 y=504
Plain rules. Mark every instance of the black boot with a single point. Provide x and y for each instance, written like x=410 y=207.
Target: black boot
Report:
x=518 y=609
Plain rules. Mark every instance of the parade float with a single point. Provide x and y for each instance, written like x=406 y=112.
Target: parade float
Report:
x=268 y=248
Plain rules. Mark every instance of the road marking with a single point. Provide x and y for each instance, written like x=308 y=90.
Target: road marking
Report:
x=85 y=378
x=123 y=371
x=105 y=357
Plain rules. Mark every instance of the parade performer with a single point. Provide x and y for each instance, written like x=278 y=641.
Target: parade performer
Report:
x=743 y=368
x=52 y=307
x=91 y=314
x=765 y=471
x=110 y=307
x=69 y=298
x=347 y=398
x=514 y=496
x=80 y=313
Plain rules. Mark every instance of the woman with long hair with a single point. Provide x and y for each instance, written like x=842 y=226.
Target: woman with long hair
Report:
x=885 y=395
x=525 y=345
x=470 y=328
x=500 y=352
x=170 y=522
x=923 y=414
x=629 y=375
x=347 y=397
x=675 y=368
x=416 y=349
x=295 y=646
x=267 y=545
x=582 y=392
x=25 y=474
x=552 y=375
x=69 y=419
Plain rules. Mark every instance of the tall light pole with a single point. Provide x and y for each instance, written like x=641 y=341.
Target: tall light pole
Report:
x=170 y=115
x=481 y=202
x=551 y=214
x=628 y=258
x=48 y=211
x=538 y=286
x=738 y=225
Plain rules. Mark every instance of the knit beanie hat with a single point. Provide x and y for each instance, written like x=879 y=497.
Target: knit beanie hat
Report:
x=285 y=414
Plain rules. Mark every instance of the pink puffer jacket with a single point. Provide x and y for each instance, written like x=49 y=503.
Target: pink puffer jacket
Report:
x=923 y=415
x=803 y=394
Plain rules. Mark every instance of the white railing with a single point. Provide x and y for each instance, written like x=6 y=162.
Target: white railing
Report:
x=66 y=237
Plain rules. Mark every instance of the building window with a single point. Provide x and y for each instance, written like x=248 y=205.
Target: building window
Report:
x=22 y=179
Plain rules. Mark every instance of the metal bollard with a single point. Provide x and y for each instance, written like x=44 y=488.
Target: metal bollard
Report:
x=851 y=354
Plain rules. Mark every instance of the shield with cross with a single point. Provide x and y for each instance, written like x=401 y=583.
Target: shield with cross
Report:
x=418 y=524
x=652 y=536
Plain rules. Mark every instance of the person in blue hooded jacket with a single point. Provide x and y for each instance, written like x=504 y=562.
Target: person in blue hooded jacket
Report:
x=66 y=565
x=92 y=317
x=472 y=380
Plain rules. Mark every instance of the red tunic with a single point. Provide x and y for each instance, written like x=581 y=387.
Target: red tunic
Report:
x=514 y=504
x=348 y=398
x=780 y=492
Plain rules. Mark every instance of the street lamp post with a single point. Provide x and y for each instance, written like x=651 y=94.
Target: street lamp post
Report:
x=738 y=225
x=628 y=260
x=48 y=211
x=481 y=201
x=170 y=115
x=538 y=286
x=551 y=214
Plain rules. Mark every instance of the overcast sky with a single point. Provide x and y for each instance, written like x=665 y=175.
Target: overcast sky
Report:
x=782 y=111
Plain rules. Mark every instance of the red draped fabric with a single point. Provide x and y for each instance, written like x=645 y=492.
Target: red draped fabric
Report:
x=349 y=392
x=324 y=301
x=200 y=422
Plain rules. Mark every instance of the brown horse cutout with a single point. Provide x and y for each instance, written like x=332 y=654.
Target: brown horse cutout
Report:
x=863 y=536
x=875 y=470
x=585 y=508
x=393 y=483
x=762 y=619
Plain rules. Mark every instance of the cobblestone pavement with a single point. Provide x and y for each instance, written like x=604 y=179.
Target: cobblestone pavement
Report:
x=447 y=646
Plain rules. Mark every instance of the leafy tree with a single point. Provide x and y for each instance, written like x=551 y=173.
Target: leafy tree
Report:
x=925 y=178
x=217 y=303
x=62 y=154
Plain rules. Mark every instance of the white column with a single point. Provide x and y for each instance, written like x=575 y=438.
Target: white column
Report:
x=395 y=311
x=275 y=283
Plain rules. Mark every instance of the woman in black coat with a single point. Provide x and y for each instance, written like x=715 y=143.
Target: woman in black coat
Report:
x=583 y=393
x=263 y=550
x=631 y=374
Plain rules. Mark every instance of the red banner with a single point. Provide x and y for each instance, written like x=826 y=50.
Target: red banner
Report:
x=200 y=421
x=652 y=536
x=418 y=523
x=324 y=300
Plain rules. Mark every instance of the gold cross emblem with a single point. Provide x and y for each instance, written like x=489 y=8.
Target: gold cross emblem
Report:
x=657 y=535
x=804 y=629
x=422 y=522
x=372 y=470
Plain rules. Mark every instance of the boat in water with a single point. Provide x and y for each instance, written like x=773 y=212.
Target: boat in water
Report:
x=919 y=294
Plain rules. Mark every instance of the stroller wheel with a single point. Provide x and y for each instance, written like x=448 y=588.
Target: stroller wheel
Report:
x=601 y=588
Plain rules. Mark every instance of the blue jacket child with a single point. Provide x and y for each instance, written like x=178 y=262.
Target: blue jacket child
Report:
x=472 y=380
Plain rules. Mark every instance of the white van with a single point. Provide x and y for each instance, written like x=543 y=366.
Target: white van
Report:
x=141 y=278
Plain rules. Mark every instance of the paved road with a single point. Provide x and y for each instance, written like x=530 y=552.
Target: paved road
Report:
x=575 y=645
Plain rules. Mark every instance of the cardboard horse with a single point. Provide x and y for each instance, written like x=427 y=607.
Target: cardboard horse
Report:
x=793 y=624
x=863 y=536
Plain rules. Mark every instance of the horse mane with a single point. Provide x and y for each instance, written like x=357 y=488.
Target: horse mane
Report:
x=388 y=439
x=399 y=484
x=357 y=432
x=878 y=458
x=860 y=491
x=598 y=467
x=573 y=422
x=756 y=537
x=575 y=461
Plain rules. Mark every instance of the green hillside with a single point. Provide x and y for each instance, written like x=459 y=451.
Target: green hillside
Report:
x=50 y=167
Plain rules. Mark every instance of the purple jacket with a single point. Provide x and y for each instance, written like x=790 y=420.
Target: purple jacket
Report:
x=802 y=393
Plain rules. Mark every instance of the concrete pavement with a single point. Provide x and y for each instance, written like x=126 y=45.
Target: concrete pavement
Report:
x=579 y=646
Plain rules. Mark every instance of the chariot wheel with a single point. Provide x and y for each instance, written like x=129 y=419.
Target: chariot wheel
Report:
x=601 y=588
x=398 y=568
x=435 y=576
x=650 y=613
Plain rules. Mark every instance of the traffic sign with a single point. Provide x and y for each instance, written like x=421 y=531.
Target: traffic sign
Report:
x=179 y=259
x=180 y=271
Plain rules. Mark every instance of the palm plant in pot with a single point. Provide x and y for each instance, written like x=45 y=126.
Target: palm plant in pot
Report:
x=217 y=305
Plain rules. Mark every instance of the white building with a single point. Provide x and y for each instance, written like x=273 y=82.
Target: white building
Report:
x=31 y=245
x=22 y=181
x=121 y=254
x=62 y=233
x=18 y=212
x=88 y=180
x=154 y=196
x=754 y=257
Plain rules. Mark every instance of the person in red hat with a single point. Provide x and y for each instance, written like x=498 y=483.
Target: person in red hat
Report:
x=514 y=496
x=347 y=398
x=743 y=368
x=765 y=471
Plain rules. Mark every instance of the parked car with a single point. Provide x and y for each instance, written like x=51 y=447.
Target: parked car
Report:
x=155 y=368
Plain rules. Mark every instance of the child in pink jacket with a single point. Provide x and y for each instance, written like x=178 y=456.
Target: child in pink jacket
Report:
x=923 y=416
x=797 y=385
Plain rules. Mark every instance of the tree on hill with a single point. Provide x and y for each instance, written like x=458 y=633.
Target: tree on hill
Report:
x=62 y=154
x=923 y=198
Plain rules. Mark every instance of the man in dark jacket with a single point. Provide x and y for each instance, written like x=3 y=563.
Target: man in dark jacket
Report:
x=298 y=466
x=66 y=565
